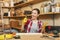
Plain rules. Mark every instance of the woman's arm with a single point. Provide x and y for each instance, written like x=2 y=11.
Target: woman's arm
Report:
x=26 y=25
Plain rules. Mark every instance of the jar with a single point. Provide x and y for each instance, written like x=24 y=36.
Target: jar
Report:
x=9 y=13
x=42 y=8
x=12 y=12
x=12 y=3
x=46 y=9
x=57 y=7
x=6 y=4
x=53 y=9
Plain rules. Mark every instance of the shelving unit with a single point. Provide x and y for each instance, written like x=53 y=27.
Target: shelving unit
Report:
x=29 y=3
x=24 y=5
x=10 y=17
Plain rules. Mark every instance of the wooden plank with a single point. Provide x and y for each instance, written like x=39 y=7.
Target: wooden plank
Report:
x=8 y=7
x=49 y=13
x=29 y=3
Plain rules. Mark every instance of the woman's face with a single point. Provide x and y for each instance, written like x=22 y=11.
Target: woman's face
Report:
x=34 y=14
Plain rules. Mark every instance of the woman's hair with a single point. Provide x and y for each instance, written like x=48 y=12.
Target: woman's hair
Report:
x=37 y=10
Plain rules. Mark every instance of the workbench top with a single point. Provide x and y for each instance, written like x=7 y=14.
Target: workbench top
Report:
x=34 y=36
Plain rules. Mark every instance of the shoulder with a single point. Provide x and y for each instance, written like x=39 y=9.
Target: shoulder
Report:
x=28 y=21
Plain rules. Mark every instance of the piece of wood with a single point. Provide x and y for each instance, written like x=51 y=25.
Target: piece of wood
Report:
x=8 y=7
x=33 y=36
x=49 y=13
x=29 y=3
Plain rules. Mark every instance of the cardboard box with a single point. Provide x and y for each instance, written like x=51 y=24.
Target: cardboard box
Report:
x=14 y=23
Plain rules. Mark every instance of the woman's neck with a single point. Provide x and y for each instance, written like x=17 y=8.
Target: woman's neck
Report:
x=34 y=20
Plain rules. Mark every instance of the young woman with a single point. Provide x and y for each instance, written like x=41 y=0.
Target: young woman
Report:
x=33 y=25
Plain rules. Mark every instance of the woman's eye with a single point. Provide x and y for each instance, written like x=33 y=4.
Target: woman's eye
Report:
x=33 y=13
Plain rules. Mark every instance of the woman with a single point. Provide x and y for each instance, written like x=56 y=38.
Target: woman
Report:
x=33 y=25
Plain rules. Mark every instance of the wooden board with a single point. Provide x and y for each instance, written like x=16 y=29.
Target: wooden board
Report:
x=29 y=3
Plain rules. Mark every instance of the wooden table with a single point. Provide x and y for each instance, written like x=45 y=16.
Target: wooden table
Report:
x=34 y=37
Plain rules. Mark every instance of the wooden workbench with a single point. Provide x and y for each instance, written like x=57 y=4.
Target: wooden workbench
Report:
x=34 y=37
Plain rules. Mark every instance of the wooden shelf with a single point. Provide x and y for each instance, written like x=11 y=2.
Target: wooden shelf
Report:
x=29 y=3
x=8 y=7
x=49 y=13
x=2 y=1
x=15 y=16
x=17 y=28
